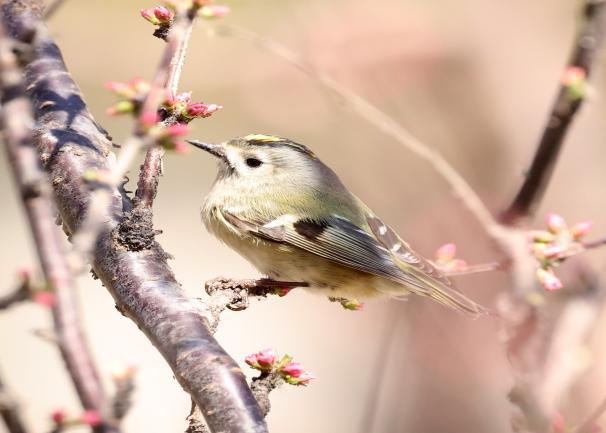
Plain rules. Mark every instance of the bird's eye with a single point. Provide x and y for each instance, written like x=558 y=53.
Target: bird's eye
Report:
x=253 y=162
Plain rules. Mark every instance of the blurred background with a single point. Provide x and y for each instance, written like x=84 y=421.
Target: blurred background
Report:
x=472 y=78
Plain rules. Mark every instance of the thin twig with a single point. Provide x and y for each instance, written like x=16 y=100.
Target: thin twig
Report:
x=586 y=49
x=141 y=282
x=52 y=8
x=36 y=193
x=9 y=411
x=381 y=121
x=20 y=294
x=151 y=170
x=167 y=74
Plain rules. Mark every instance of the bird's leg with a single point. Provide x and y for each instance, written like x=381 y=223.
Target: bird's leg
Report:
x=241 y=290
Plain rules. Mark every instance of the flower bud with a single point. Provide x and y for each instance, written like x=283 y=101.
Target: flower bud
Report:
x=91 y=418
x=581 y=229
x=150 y=16
x=58 y=416
x=199 y=109
x=555 y=223
x=266 y=357
x=214 y=11
x=294 y=369
x=548 y=279
x=45 y=298
x=446 y=252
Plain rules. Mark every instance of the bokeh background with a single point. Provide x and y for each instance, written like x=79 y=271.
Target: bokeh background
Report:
x=472 y=78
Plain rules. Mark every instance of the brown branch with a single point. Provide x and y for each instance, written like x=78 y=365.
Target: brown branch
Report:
x=141 y=282
x=586 y=49
x=36 y=194
x=20 y=294
x=151 y=170
x=9 y=411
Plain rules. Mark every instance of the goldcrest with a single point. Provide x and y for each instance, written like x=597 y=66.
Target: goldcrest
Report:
x=286 y=212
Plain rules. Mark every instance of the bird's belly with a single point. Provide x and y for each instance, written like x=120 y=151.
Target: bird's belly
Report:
x=287 y=263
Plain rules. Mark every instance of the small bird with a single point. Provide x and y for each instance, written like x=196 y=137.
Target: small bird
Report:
x=286 y=212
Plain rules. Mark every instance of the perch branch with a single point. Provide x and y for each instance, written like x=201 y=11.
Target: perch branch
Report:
x=36 y=195
x=586 y=49
x=141 y=282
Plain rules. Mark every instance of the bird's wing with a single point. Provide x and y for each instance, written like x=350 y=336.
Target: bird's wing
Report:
x=384 y=254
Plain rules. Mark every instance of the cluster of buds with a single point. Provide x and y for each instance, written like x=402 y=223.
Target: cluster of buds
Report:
x=130 y=95
x=574 y=79
x=166 y=135
x=158 y=16
x=552 y=246
x=291 y=372
x=445 y=259
x=164 y=16
x=183 y=110
x=91 y=418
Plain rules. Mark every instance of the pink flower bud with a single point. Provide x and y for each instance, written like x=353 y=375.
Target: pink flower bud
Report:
x=558 y=423
x=214 y=11
x=446 y=252
x=555 y=223
x=294 y=369
x=177 y=130
x=553 y=252
x=123 y=372
x=139 y=85
x=149 y=118
x=251 y=360
x=121 y=89
x=163 y=14
x=266 y=357
x=199 y=109
x=150 y=16
x=581 y=229
x=58 y=416
x=45 y=298
x=573 y=75
x=283 y=291
x=305 y=378
x=548 y=279
x=181 y=146
x=91 y=418
x=25 y=273
x=184 y=97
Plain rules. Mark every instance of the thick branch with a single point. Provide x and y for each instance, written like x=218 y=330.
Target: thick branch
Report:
x=36 y=194
x=141 y=282
x=586 y=50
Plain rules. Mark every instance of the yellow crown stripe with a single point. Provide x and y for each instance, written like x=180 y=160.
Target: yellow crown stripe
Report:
x=262 y=137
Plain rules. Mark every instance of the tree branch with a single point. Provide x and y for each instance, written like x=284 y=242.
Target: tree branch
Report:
x=141 y=282
x=586 y=49
x=9 y=411
x=37 y=199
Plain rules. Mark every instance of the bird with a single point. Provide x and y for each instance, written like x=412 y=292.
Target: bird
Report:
x=286 y=212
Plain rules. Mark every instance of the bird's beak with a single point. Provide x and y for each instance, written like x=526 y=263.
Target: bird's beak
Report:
x=214 y=149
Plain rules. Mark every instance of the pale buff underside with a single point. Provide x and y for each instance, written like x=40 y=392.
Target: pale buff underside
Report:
x=287 y=263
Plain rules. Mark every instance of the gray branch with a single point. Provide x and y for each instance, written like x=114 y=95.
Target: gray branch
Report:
x=141 y=282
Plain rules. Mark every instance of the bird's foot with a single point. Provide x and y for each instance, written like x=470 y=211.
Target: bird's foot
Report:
x=241 y=290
